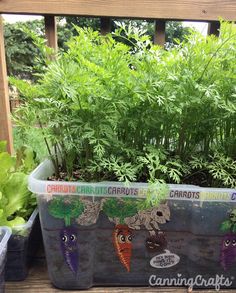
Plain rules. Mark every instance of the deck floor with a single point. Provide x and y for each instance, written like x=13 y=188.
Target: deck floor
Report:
x=38 y=282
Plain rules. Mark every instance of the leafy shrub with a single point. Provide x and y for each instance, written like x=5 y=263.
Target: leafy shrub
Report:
x=32 y=138
x=16 y=201
x=22 y=55
x=139 y=113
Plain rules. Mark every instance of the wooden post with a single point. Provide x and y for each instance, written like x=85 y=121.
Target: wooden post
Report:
x=51 y=31
x=5 y=116
x=105 y=25
x=214 y=28
x=159 y=34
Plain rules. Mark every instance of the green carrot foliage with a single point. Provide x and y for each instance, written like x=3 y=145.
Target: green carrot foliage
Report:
x=139 y=113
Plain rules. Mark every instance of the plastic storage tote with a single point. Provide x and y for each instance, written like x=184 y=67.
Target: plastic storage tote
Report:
x=98 y=234
x=22 y=246
x=5 y=234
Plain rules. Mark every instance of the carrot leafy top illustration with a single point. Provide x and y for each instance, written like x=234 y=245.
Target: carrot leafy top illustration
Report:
x=120 y=208
x=127 y=207
x=65 y=208
x=230 y=224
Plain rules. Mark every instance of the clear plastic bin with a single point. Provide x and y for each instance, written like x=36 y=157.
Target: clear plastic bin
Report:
x=5 y=234
x=22 y=246
x=98 y=234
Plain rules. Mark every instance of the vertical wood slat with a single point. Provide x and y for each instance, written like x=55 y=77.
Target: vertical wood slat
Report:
x=5 y=116
x=51 y=31
x=159 y=33
x=214 y=28
x=105 y=25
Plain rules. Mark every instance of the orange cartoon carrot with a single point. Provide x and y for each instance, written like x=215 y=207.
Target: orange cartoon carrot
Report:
x=122 y=241
x=121 y=208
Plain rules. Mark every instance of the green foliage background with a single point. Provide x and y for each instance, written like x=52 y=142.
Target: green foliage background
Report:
x=16 y=201
x=22 y=55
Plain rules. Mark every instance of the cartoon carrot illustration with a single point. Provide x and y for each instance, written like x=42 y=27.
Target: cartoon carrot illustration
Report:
x=69 y=247
x=228 y=244
x=122 y=235
x=122 y=241
x=66 y=209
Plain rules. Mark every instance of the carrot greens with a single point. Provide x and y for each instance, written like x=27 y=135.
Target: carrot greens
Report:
x=119 y=112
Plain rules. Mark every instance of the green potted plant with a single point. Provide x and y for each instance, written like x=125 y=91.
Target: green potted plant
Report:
x=18 y=210
x=142 y=159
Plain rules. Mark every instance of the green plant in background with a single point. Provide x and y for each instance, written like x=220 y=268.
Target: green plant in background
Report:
x=220 y=167
x=175 y=31
x=20 y=50
x=16 y=202
x=32 y=138
x=23 y=56
x=143 y=114
x=65 y=208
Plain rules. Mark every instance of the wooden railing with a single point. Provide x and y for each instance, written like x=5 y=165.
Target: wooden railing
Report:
x=204 y=10
x=159 y=10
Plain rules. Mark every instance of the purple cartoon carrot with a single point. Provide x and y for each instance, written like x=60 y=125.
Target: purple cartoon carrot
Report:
x=228 y=251
x=67 y=208
x=228 y=244
x=69 y=247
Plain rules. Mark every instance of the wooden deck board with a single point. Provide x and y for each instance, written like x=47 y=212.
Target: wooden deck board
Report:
x=38 y=282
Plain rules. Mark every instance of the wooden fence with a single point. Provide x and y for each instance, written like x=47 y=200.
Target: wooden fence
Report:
x=158 y=10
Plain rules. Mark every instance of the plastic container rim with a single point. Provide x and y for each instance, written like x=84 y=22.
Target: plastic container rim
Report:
x=5 y=238
x=29 y=223
x=38 y=185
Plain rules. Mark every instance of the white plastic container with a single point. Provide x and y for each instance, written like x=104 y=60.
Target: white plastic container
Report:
x=98 y=234
x=5 y=233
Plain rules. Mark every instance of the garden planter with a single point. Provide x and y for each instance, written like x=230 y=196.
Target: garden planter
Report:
x=22 y=246
x=5 y=234
x=180 y=242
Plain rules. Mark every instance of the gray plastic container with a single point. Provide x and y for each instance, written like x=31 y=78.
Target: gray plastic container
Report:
x=5 y=233
x=22 y=246
x=177 y=243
